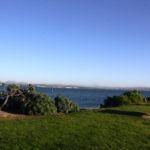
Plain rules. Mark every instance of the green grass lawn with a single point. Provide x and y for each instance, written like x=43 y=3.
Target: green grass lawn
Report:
x=120 y=128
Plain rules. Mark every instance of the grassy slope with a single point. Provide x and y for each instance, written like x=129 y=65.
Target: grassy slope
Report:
x=120 y=128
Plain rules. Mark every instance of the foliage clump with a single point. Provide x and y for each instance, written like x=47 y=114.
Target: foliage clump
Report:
x=13 y=88
x=148 y=99
x=131 y=97
x=28 y=101
x=65 y=105
x=38 y=104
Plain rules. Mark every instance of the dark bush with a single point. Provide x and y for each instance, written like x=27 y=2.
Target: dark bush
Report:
x=115 y=101
x=148 y=99
x=132 y=97
x=38 y=104
x=27 y=101
x=15 y=103
x=64 y=105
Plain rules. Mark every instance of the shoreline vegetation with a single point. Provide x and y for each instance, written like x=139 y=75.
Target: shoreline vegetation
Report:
x=30 y=120
x=27 y=101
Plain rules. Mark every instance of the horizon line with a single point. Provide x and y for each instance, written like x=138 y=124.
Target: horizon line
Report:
x=71 y=85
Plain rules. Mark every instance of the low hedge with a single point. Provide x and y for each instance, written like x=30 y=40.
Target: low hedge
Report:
x=131 y=97
x=65 y=105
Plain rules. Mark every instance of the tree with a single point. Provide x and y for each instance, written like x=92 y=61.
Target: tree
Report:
x=27 y=101
x=12 y=89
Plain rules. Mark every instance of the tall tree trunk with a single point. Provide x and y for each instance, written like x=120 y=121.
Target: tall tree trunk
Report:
x=5 y=102
x=145 y=99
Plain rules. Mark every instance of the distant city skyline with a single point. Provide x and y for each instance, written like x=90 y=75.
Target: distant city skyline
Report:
x=79 y=42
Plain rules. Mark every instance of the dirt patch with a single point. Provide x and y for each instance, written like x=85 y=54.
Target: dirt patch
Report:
x=11 y=115
x=147 y=116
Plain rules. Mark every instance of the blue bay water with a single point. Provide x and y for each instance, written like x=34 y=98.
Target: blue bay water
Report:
x=85 y=98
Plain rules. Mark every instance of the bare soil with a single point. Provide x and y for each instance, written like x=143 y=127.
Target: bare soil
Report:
x=11 y=115
x=147 y=116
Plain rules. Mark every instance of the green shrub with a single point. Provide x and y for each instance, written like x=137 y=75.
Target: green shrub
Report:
x=115 y=101
x=131 y=97
x=64 y=105
x=38 y=104
x=134 y=97
x=28 y=101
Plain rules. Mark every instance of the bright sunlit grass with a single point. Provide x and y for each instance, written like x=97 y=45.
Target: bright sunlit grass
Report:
x=121 y=128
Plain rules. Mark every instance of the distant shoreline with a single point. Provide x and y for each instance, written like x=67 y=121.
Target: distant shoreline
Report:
x=67 y=86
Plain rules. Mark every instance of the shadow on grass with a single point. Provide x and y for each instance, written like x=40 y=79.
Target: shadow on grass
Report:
x=120 y=112
x=146 y=104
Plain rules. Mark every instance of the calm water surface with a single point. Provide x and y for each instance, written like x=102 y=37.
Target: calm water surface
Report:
x=85 y=98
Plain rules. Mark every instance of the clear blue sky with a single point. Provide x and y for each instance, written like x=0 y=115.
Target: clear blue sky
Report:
x=88 y=42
